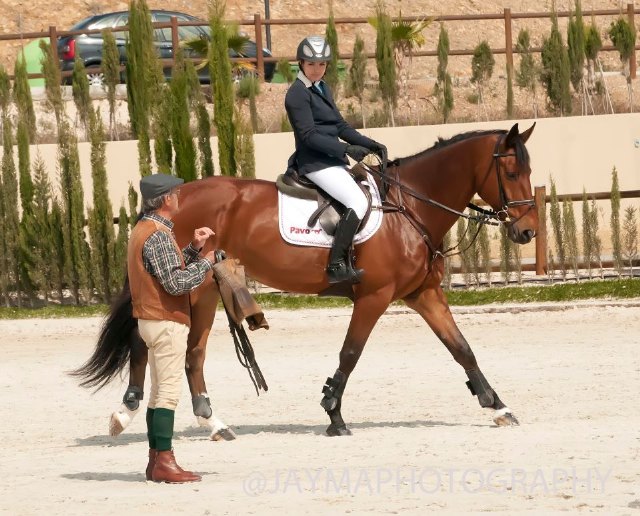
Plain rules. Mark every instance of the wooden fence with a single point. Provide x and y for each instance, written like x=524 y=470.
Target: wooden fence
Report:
x=259 y=24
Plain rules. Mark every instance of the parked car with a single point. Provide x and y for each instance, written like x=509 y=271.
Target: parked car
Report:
x=89 y=46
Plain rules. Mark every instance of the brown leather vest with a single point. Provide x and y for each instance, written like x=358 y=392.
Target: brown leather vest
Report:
x=150 y=299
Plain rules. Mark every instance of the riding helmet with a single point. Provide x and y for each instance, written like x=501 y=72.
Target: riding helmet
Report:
x=314 y=49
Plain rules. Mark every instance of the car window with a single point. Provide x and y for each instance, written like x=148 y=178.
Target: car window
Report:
x=122 y=20
x=184 y=33
x=162 y=34
x=105 y=22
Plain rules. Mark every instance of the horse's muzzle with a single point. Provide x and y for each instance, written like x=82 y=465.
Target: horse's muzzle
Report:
x=520 y=237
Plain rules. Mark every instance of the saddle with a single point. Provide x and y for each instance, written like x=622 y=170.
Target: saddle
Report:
x=329 y=211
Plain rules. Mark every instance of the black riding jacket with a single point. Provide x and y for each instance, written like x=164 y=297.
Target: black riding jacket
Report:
x=317 y=124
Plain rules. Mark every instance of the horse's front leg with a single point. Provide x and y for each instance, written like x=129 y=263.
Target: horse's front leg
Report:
x=432 y=305
x=366 y=312
x=204 y=301
x=130 y=406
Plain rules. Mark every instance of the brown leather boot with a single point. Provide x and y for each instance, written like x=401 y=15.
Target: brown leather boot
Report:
x=151 y=464
x=166 y=470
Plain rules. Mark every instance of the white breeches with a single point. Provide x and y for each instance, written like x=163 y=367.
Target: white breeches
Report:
x=339 y=184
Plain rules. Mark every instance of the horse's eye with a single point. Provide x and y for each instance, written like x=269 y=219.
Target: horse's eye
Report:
x=512 y=175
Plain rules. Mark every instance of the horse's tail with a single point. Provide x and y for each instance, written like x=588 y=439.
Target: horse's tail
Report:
x=118 y=335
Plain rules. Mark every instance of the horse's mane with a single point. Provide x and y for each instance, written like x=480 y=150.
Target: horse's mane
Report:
x=522 y=155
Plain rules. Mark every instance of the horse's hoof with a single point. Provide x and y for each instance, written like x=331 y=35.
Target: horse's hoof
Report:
x=335 y=431
x=223 y=434
x=116 y=425
x=504 y=417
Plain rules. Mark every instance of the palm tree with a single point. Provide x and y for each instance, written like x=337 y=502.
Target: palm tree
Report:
x=406 y=37
x=237 y=43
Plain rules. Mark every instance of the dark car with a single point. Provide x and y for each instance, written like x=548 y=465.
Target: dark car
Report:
x=89 y=46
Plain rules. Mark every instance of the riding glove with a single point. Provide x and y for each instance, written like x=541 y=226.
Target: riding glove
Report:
x=379 y=149
x=357 y=152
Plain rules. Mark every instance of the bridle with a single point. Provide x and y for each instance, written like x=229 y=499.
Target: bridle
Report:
x=485 y=217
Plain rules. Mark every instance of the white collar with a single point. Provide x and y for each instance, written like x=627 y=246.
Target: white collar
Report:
x=305 y=80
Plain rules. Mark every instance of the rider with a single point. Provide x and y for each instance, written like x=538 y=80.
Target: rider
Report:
x=320 y=156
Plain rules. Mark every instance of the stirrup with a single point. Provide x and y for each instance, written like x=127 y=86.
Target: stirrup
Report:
x=339 y=271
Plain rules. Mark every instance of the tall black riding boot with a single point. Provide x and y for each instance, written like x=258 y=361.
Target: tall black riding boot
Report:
x=340 y=267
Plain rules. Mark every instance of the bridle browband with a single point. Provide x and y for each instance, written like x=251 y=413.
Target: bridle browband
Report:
x=485 y=217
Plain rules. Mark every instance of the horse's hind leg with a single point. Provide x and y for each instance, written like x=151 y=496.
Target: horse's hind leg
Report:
x=432 y=305
x=366 y=312
x=204 y=301
x=130 y=406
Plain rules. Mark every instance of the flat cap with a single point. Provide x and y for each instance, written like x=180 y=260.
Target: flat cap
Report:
x=156 y=185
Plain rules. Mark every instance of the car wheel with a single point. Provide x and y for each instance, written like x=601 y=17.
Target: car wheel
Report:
x=95 y=77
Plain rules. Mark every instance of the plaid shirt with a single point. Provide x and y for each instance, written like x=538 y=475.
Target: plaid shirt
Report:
x=163 y=262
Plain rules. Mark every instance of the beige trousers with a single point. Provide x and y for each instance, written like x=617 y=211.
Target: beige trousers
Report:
x=167 y=343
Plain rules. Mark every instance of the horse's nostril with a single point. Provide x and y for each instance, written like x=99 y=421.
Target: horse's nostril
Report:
x=529 y=234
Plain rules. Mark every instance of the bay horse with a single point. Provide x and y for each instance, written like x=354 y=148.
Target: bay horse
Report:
x=427 y=192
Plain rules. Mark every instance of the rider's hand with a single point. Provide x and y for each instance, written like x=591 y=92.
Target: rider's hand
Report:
x=379 y=149
x=357 y=152
x=200 y=236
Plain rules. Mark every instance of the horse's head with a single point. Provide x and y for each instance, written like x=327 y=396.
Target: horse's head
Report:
x=507 y=185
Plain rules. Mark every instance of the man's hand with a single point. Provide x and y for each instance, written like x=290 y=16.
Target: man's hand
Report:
x=200 y=236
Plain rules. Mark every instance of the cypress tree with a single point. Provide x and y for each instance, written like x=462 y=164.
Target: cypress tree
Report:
x=506 y=259
x=485 y=252
x=222 y=84
x=482 y=64
x=76 y=259
x=81 y=98
x=11 y=221
x=630 y=239
x=283 y=67
x=444 y=87
x=465 y=263
x=22 y=96
x=101 y=230
x=527 y=71
x=556 y=223
x=616 y=244
x=592 y=46
x=56 y=230
x=357 y=75
x=331 y=35
x=556 y=71
x=249 y=88
x=587 y=233
x=385 y=60
x=5 y=96
x=180 y=132
x=133 y=205
x=446 y=280
x=52 y=80
x=198 y=105
x=26 y=131
x=575 y=44
x=144 y=78
x=597 y=243
x=623 y=36
x=245 y=152
x=111 y=70
x=43 y=254
x=162 y=114
x=120 y=253
x=570 y=235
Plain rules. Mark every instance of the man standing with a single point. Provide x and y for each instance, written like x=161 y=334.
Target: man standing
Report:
x=160 y=277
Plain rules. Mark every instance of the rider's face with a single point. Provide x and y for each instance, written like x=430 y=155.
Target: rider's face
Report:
x=314 y=71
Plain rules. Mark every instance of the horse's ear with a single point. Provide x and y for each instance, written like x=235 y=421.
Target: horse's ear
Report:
x=511 y=135
x=527 y=133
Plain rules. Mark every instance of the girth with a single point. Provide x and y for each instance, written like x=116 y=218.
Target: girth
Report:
x=329 y=210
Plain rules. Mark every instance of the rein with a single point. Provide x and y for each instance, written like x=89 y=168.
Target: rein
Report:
x=486 y=217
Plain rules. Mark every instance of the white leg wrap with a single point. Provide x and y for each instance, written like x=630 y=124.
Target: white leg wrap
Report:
x=219 y=430
x=120 y=420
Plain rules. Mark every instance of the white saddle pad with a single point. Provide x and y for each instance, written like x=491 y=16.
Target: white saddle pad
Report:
x=293 y=215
